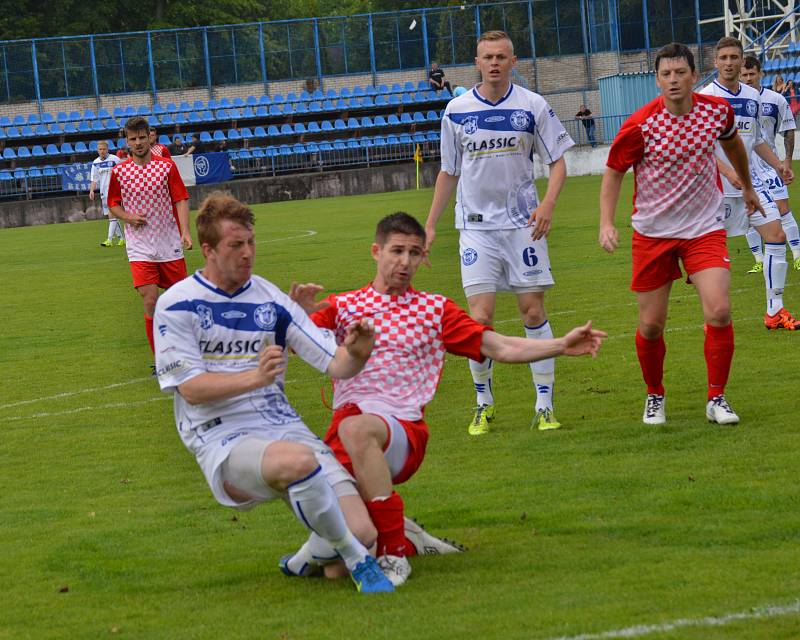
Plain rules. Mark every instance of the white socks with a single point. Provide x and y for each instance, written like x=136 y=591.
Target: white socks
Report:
x=543 y=371
x=315 y=504
x=482 y=378
x=789 y=225
x=754 y=242
x=775 y=267
x=114 y=229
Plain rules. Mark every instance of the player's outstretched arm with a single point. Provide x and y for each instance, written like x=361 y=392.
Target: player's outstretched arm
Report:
x=511 y=349
x=442 y=192
x=356 y=348
x=609 y=196
x=212 y=387
x=305 y=295
x=541 y=218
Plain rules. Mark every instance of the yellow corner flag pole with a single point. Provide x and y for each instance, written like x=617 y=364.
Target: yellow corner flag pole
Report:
x=418 y=161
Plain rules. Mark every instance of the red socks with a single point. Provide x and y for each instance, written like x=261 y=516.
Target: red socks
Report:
x=148 y=327
x=718 y=349
x=651 y=359
x=387 y=516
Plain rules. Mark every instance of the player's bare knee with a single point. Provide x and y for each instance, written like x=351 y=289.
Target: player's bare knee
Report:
x=287 y=462
x=718 y=313
x=651 y=329
x=773 y=233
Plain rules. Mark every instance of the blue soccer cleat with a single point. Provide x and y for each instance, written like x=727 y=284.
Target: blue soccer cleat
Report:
x=369 y=578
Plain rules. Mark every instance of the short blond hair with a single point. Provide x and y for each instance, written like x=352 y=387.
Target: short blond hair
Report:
x=494 y=36
x=102 y=143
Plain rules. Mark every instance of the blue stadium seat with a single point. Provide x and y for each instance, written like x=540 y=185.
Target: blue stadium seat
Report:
x=379 y=141
x=286 y=130
x=12 y=132
x=418 y=116
x=181 y=118
x=198 y=105
x=245 y=133
x=222 y=114
x=285 y=150
x=272 y=130
x=93 y=145
x=367 y=101
x=341 y=103
x=158 y=110
x=423 y=85
x=393 y=120
x=262 y=111
x=366 y=122
x=300 y=107
x=233 y=134
x=80 y=147
x=382 y=88
x=394 y=99
x=344 y=92
x=52 y=150
x=432 y=136
x=318 y=95
x=251 y=101
x=288 y=109
x=397 y=88
x=212 y=104
x=49 y=172
x=274 y=110
x=170 y=108
x=354 y=103
x=218 y=135
x=313 y=127
x=392 y=139
x=164 y=139
x=18 y=121
x=331 y=94
x=6 y=176
x=111 y=146
x=407 y=98
x=37 y=151
x=432 y=116
x=34 y=172
x=370 y=90
x=195 y=117
x=167 y=120
x=327 y=125
x=184 y=106
x=60 y=117
x=366 y=143
x=84 y=126
x=207 y=116
x=315 y=107
x=66 y=148
x=259 y=132
x=339 y=145
x=291 y=97
x=305 y=96
x=19 y=174
x=380 y=121
x=247 y=113
x=298 y=148
x=47 y=118
x=23 y=152
x=409 y=86
x=405 y=118
x=264 y=100
x=405 y=138
x=258 y=153
x=358 y=91
x=278 y=98
x=2 y=133
x=244 y=154
x=299 y=128
x=325 y=146
x=339 y=124
x=119 y=112
x=238 y=103
x=27 y=131
x=418 y=137
x=89 y=114
x=353 y=123
x=98 y=125
x=328 y=105
x=312 y=147
x=33 y=119
x=205 y=136
x=234 y=113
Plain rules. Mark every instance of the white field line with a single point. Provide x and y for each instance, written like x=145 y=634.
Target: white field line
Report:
x=305 y=233
x=67 y=394
x=757 y=613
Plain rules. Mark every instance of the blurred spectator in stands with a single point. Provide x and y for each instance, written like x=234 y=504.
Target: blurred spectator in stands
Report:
x=196 y=146
x=122 y=151
x=585 y=116
x=221 y=146
x=178 y=147
x=790 y=93
x=157 y=148
x=779 y=84
x=437 y=80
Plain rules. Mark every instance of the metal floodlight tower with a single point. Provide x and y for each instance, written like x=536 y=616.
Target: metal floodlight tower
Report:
x=759 y=25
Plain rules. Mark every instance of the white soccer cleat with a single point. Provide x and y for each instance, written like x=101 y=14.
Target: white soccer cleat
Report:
x=397 y=569
x=654 y=409
x=718 y=410
x=427 y=544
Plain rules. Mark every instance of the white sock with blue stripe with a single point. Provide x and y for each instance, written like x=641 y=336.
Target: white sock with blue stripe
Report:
x=754 y=242
x=543 y=371
x=775 y=267
x=315 y=504
x=482 y=379
x=789 y=225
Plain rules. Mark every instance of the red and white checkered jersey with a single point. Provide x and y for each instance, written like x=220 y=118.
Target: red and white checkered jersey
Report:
x=678 y=192
x=412 y=333
x=159 y=149
x=151 y=190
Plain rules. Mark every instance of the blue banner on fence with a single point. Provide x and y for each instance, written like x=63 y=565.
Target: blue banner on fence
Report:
x=211 y=167
x=76 y=177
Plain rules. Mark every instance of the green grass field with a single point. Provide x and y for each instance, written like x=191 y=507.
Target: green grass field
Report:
x=108 y=529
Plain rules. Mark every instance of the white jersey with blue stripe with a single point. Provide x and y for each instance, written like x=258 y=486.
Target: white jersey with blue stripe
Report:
x=746 y=104
x=202 y=329
x=101 y=172
x=491 y=146
x=776 y=117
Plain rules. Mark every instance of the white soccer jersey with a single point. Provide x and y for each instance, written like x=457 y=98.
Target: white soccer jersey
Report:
x=746 y=104
x=101 y=173
x=776 y=117
x=200 y=328
x=491 y=147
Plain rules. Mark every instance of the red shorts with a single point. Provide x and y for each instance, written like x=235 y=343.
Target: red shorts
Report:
x=655 y=260
x=163 y=274
x=416 y=432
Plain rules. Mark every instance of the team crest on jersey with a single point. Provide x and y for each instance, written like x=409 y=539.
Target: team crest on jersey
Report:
x=206 y=317
x=752 y=108
x=767 y=108
x=469 y=257
x=520 y=120
x=470 y=125
x=265 y=316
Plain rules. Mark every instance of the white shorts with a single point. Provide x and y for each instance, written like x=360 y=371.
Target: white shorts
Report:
x=737 y=222
x=503 y=260
x=212 y=456
x=777 y=189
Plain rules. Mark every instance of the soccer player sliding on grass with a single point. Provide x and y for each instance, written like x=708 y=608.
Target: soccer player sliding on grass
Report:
x=378 y=432
x=678 y=215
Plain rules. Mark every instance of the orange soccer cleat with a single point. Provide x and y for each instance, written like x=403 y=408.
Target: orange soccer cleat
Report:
x=781 y=320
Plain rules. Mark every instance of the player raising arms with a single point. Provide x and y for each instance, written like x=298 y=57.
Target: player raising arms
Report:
x=677 y=215
x=776 y=117
x=147 y=193
x=378 y=431
x=746 y=103
x=222 y=349
x=489 y=136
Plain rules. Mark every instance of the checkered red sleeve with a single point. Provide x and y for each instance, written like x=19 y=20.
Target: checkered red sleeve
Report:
x=461 y=334
x=628 y=146
x=326 y=318
x=114 y=194
x=177 y=190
